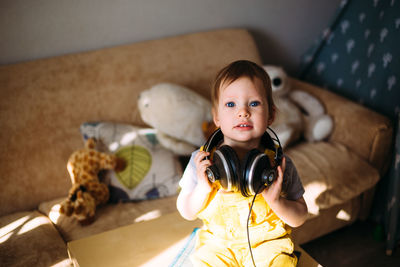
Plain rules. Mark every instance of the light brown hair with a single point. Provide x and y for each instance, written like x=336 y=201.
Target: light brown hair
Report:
x=239 y=69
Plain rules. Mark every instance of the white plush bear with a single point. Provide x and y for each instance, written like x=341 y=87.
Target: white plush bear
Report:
x=298 y=112
x=178 y=114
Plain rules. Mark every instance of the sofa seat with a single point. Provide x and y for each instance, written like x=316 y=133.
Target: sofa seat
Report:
x=333 y=180
x=328 y=220
x=30 y=239
x=108 y=217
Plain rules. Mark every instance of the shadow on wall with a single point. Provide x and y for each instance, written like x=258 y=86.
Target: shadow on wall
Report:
x=274 y=53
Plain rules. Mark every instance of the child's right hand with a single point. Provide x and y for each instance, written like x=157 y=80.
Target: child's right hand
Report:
x=201 y=166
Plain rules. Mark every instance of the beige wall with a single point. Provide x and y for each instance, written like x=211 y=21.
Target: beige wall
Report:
x=283 y=29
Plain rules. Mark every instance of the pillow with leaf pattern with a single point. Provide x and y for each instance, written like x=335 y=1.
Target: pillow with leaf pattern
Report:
x=152 y=171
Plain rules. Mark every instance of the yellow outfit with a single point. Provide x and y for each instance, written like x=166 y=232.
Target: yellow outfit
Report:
x=223 y=240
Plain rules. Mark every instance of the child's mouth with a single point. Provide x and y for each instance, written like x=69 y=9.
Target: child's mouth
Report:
x=244 y=126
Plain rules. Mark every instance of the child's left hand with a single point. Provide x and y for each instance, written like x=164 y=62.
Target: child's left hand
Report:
x=272 y=193
x=292 y=212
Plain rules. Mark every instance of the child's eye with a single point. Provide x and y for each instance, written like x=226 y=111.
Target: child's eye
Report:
x=230 y=104
x=255 y=103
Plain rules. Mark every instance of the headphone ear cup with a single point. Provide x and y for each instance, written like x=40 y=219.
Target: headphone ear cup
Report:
x=258 y=173
x=248 y=177
x=228 y=165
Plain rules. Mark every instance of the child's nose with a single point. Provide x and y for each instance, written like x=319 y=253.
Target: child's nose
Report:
x=244 y=112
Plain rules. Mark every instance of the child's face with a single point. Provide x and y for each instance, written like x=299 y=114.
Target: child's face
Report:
x=242 y=112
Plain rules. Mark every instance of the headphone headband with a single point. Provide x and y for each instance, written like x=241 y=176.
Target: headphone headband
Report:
x=215 y=138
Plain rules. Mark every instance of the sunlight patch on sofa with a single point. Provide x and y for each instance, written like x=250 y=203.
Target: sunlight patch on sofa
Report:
x=166 y=256
x=7 y=231
x=66 y=262
x=5 y=237
x=313 y=191
x=149 y=216
x=54 y=213
x=126 y=139
x=343 y=215
x=32 y=224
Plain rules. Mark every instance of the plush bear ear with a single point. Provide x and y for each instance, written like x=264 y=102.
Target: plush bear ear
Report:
x=90 y=143
x=279 y=79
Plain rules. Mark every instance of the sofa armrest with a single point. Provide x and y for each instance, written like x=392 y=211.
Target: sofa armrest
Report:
x=365 y=132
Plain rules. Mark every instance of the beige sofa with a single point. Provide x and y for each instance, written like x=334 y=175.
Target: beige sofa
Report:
x=43 y=103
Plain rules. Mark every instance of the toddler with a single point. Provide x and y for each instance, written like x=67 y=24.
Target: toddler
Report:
x=243 y=108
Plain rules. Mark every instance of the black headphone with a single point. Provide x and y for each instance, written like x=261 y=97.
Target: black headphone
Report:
x=250 y=177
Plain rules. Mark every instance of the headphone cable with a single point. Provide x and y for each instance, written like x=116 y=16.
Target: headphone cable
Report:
x=248 y=220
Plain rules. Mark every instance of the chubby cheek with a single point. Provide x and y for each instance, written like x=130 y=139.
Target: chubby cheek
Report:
x=223 y=120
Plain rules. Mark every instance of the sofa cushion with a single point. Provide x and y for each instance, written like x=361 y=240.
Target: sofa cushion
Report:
x=152 y=171
x=30 y=239
x=371 y=139
x=327 y=221
x=331 y=173
x=107 y=217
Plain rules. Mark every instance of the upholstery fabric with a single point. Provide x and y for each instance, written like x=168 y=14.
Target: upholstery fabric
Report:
x=365 y=132
x=334 y=181
x=30 y=239
x=333 y=218
x=108 y=217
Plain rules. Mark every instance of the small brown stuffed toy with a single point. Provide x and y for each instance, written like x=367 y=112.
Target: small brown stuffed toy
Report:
x=87 y=191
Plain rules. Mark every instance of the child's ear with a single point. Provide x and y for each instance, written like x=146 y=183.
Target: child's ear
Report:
x=215 y=117
x=272 y=116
